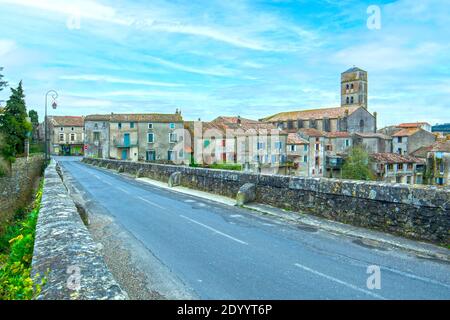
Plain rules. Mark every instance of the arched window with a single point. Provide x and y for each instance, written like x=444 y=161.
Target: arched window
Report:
x=348 y=100
x=361 y=126
x=351 y=86
x=351 y=100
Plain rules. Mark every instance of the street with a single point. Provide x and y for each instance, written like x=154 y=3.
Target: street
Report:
x=225 y=252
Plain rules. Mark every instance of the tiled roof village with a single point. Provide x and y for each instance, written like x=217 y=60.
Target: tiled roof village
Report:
x=305 y=142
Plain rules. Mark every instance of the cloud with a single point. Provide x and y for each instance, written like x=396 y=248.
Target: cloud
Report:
x=110 y=79
x=6 y=46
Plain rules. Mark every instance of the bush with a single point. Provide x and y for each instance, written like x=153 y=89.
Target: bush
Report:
x=16 y=255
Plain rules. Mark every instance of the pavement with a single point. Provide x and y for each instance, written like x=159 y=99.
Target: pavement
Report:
x=209 y=249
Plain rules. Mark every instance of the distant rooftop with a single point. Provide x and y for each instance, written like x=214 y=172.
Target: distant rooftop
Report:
x=392 y=158
x=354 y=69
x=331 y=113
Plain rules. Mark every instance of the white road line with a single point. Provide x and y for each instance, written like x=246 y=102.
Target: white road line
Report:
x=152 y=203
x=348 y=285
x=214 y=230
x=123 y=190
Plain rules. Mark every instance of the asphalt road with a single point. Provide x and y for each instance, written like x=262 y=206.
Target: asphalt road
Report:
x=224 y=252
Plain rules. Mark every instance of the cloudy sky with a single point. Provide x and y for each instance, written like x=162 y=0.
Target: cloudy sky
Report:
x=213 y=57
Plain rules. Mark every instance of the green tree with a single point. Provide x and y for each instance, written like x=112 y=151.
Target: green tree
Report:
x=14 y=125
x=357 y=165
x=3 y=84
x=34 y=118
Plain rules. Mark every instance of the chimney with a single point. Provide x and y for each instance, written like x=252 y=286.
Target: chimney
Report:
x=239 y=120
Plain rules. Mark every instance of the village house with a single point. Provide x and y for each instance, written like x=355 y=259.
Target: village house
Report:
x=66 y=134
x=316 y=151
x=373 y=142
x=409 y=140
x=257 y=146
x=337 y=145
x=437 y=157
x=297 y=155
x=136 y=137
x=396 y=168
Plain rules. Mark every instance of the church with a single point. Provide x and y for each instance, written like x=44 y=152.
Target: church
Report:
x=352 y=116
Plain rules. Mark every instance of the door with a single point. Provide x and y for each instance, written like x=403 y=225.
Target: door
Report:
x=124 y=154
x=126 y=139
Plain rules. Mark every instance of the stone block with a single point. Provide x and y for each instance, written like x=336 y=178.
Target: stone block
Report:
x=246 y=194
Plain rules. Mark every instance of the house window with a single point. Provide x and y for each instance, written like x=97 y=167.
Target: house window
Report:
x=131 y=125
x=351 y=86
x=317 y=147
x=410 y=166
x=400 y=166
x=95 y=125
x=150 y=125
x=348 y=100
x=347 y=143
x=172 y=137
x=408 y=180
x=260 y=145
x=278 y=145
x=400 y=139
x=329 y=148
x=305 y=159
x=293 y=148
x=61 y=137
x=150 y=138
x=96 y=136
x=62 y=129
x=361 y=126
x=347 y=86
x=119 y=125
x=172 y=126
x=71 y=129
x=399 y=151
x=317 y=161
x=72 y=137
x=390 y=167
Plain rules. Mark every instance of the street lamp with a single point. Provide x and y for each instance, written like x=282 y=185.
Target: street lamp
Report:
x=54 y=95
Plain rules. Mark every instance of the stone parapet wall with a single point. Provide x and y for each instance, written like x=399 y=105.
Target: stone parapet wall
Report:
x=413 y=211
x=64 y=248
x=16 y=187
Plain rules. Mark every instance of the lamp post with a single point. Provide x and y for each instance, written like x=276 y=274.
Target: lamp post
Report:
x=54 y=95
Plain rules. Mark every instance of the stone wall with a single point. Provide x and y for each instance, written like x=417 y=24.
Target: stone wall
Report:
x=16 y=187
x=417 y=212
x=64 y=248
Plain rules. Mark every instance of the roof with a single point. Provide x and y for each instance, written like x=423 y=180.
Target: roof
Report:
x=373 y=135
x=137 y=117
x=294 y=138
x=354 y=69
x=413 y=125
x=406 y=132
x=331 y=113
x=392 y=158
x=337 y=134
x=67 y=121
x=310 y=132
x=438 y=146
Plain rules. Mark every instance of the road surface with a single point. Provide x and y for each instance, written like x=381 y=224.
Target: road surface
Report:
x=225 y=252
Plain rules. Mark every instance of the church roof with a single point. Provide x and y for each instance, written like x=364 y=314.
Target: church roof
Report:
x=331 y=113
x=354 y=69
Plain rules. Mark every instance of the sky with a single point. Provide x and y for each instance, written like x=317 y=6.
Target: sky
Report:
x=251 y=58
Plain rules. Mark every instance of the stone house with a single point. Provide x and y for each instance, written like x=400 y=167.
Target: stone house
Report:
x=96 y=129
x=66 y=134
x=317 y=151
x=437 y=157
x=136 y=137
x=337 y=145
x=409 y=140
x=396 y=168
x=297 y=155
x=257 y=146
x=373 y=142
x=146 y=137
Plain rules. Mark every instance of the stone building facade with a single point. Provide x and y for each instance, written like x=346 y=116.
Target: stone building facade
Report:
x=373 y=142
x=395 y=168
x=437 y=157
x=406 y=141
x=97 y=136
x=354 y=88
x=66 y=134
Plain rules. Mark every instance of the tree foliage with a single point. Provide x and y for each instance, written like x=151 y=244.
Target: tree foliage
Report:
x=14 y=126
x=357 y=165
x=3 y=83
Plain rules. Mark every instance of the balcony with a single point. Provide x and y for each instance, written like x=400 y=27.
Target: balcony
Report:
x=125 y=143
x=335 y=162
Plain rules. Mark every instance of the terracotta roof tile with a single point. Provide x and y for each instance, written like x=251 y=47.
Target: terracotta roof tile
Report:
x=67 y=121
x=136 y=117
x=337 y=134
x=373 y=135
x=406 y=132
x=412 y=125
x=332 y=113
x=311 y=132
x=294 y=138
x=392 y=158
